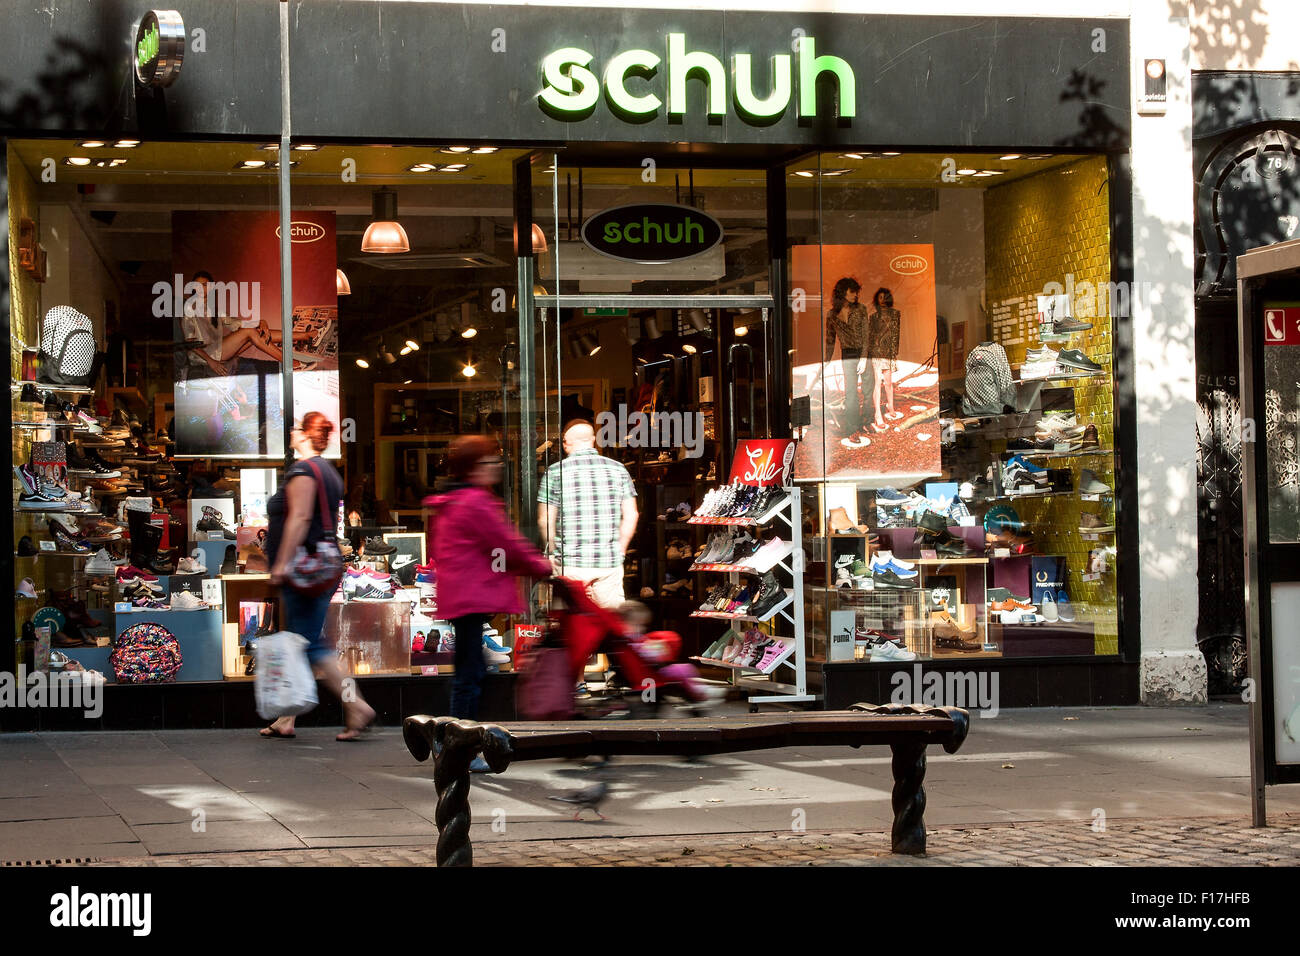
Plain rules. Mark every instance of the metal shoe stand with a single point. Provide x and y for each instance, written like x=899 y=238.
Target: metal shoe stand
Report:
x=788 y=614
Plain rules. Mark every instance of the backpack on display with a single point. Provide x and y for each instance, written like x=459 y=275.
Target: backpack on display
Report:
x=145 y=654
x=67 y=347
x=990 y=389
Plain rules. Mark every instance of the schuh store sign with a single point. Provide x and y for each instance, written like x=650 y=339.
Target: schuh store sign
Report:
x=651 y=233
x=159 y=47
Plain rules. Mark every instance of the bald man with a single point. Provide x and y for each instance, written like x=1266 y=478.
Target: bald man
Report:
x=588 y=515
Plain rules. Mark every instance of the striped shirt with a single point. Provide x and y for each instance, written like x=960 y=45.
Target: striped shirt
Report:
x=589 y=490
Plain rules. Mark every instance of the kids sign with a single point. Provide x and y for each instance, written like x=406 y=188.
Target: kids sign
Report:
x=763 y=461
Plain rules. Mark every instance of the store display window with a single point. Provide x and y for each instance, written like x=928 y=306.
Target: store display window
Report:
x=953 y=394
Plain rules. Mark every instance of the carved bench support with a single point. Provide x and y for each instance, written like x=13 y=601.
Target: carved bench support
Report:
x=908 y=833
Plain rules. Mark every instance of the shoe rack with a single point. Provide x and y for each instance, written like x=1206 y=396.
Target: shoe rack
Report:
x=787 y=682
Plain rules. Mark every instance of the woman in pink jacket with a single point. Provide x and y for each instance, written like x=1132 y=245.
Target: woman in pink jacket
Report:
x=478 y=555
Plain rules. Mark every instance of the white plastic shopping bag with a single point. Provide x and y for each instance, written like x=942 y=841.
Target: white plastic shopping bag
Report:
x=284 y=685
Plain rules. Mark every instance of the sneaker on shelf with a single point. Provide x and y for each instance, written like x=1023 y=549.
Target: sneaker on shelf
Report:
x=1075 y=359
x=775 y=651
x=1089 y=485
x=424 y=574
x=1089 y=438
x=185 y=601
x=377 y=546
x=773 y=551
x=889 y=651
x=1069 y=324
x=494 y=657
x=1064 y=609
x=129 y=574
x=1094 y=523
x=101 y=562
x=211 y=522
x=370 y=589
x=1048 y=605
x=1011 y=604
x=26 y=589
x=65 y=542
x=26 y=547
x=192 y=564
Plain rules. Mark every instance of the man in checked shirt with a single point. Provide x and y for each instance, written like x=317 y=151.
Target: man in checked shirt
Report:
x=588 y=515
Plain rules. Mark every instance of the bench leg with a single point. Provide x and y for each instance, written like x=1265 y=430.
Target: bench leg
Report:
x=908 y=835
x=451 y=778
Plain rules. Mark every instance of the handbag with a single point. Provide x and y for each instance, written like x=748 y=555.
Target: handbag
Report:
x=318 y=572
x=283 y=684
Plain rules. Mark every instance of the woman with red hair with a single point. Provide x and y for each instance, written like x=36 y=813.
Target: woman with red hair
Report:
x=478 y=554
x=297 y=518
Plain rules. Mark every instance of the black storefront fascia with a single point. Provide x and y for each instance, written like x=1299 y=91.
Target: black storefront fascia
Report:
x=436 y=74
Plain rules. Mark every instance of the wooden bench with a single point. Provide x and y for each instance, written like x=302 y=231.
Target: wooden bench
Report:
x=906 y=729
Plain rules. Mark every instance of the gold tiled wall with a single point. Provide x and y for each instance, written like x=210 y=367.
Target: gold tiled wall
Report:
x=1054 y=227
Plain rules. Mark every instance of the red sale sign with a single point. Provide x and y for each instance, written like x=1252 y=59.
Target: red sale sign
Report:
x=1282 y=326
x=763 y=461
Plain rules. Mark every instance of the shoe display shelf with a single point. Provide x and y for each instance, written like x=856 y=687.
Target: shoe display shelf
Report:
x=1080 y=453
x=767 y=616
x=17 y=386
x=899 y=612
x=198 y=634
x=791 y=667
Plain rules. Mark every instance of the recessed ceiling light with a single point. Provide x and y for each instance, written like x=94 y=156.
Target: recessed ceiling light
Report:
x=835 y=172
x=292 y=163
x=469 y=332
x=452 y=168
x=1010 y=156
x=469 y=371
x=126 y=144
x=992 y=172
x=92 y=144
x=413 y=345
x=891 y=154
x=742 y=330
x=406 y=350
x=362 y=363
x=805 y=173
x=421 y=168
x=455 y=149
x=252 y=164
x=306 y=147
x=851 y=156
x=966 y=172
x=484 y=150
x=77 y=160
x=689 y=349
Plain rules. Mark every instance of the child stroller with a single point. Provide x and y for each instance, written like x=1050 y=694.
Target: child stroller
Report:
x=578 y=629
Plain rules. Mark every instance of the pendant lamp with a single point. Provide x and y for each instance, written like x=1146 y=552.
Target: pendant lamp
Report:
x=341 y=284
x=385 y=234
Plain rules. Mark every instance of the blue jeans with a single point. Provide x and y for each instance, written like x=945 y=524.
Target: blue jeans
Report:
x=305 y=615
x=467 y=682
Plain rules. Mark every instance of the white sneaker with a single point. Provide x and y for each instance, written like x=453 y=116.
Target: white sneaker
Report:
x=26 y=589
x=185 y=601
x=101 y=562
x=193 y=564
x=889 y=651
x=492 y=657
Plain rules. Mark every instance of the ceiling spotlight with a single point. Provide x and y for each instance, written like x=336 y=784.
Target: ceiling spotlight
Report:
x=688 y=348
x=385 y=234
x=699 y=321
x=805 y=173
x=1010 y=156
x=406 y=350
x=468 y=332
x=387 y=357
x=92 y=144
x=421 y=168
x=891 y=154
x=585 y=345
x=306 y=147
x=455 y=149
x=484 y=150
x=126 y=144
x=412 y=345
x=851 y=156
x=77 y=160
x=362 y=363
x=452 y=168
x=742 y=330
x=966 y=172
x=251 y=164
x=341 y=284
x=469 y=371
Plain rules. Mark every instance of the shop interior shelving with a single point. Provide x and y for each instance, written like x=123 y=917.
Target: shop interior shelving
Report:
x=765 y=688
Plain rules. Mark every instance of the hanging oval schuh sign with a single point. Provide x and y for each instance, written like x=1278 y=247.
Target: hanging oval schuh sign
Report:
x=651 y=233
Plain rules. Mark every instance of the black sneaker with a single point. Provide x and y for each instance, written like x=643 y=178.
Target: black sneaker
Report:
x=102 y=466
x=770 y=594
x=77 y=465
x=886 y=578
x=378 y=546
x=1073 y=358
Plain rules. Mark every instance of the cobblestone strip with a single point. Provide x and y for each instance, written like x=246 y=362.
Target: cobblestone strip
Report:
x=1166 y=842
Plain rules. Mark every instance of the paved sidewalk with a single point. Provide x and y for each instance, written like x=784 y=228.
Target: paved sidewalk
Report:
x=182 y=793
x=1206 y=843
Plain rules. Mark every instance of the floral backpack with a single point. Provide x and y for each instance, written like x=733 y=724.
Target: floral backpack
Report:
x=145 y=654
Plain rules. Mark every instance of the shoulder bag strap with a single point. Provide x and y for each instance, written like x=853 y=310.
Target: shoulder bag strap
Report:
x=326 y=524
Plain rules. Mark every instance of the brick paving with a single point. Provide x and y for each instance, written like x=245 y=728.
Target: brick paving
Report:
x=1204 y=842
